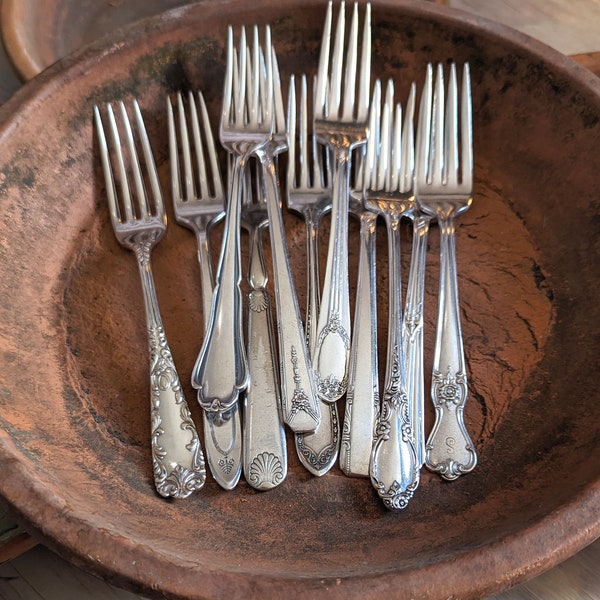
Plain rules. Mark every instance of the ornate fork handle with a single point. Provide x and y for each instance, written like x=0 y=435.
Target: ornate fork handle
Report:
x=318 y=450
x=332 y=343
x=265 y=455
x=222 y=431
x=362 y=400
x=394 y=470
x=177 y=457
x=300 y=403
x=221 y=369
x=449 y=450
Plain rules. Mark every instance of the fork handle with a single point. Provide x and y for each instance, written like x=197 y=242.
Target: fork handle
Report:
x=221 y=370
x=300 y=403
x=362 y=400
x=206 y=274
x=449 y=450
x=332 y=344
x=265 y=456
x=313 y=295
x=412 y=331
x=177 y=458
x=318 y=450
x=222 y=431
x=394 y=470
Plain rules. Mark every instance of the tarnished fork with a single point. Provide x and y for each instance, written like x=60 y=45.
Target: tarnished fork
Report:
x=265 y=453
x=221 y=370
x=340 y=122
x=388 y=190
x=199 y=203
x=309 y=195
x=139 y=224
x=444 y=189
x=299 y=399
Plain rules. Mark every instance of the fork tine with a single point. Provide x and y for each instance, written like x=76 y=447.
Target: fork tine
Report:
x=383 y=162
x=188 y=175
x=198 y=146
x=364 y=87
x=303 y=134
x=111 y=191
x=268 y=103
x=351 y=61
x=424 y=128
x=291 y=133
x=240 y=90
x=217 y=181
x=176 y=191
x=335 y=81
x=407 y=161
x=118 y=154
x=277 y=94
x=368 y=164
x=436 y=159
x=255 y=80
x=140 y=192
x=396 y=158
x=322 y=75
x=321 y=160
x=466 y=137
x=155 y=188
x=451 y=131
x=228 y=84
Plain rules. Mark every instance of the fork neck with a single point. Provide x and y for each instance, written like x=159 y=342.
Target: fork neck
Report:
x=347 y=138
x=142 y=252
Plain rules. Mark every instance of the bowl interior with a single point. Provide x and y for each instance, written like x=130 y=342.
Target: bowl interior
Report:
x=74 y=407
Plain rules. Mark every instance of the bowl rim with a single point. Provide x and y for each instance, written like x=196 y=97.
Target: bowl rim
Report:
x=581 y=528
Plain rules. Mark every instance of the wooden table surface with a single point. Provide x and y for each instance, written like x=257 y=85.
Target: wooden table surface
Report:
x=35 y=573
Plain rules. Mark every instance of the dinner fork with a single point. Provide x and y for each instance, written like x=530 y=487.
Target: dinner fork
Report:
x=340 y=121
x=265 y=455
x=199 y=204
x=444 y=185
x=389 y=191
x=299 y=398
x=309 y=195
x=221 y=370
x=178 y=462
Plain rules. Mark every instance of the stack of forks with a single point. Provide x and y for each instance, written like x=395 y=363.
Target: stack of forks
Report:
x=359 y=160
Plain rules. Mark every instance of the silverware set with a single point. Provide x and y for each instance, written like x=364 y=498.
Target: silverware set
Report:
x=357 y=156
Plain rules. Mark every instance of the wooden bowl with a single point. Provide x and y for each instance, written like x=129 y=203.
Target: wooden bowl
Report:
x=74 y=407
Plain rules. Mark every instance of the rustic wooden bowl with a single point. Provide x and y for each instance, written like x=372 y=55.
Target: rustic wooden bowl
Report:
x=74 y=408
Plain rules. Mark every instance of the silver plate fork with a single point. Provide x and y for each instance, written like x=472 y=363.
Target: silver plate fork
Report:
x=221 y=370
x=389 y=191
x=299 y=399
x=309 y=195
x=139 y=225
x=340 y=122
x=444 y=187
x=198 y=202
